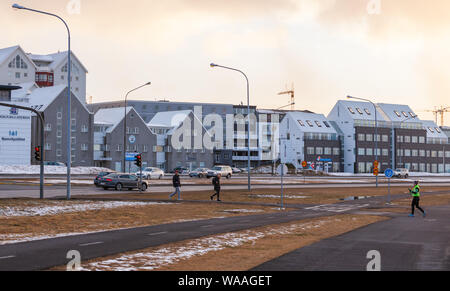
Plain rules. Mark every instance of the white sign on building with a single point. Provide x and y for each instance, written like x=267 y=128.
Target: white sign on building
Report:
x=15 y=136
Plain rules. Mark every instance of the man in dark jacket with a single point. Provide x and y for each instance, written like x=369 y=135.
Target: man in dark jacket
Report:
x=216 y=183
x=176 y=184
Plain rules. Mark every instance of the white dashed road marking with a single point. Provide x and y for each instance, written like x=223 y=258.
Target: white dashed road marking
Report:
x=157 y=233
x=91 y=244
x=7 y=257
x=337 y=208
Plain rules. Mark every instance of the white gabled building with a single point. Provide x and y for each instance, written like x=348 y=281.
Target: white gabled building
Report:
x=310 y=137
x=15 y=66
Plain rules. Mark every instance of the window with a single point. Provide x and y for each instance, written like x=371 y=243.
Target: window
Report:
x=310 y=150
x=359 y=111
x=84 y=128
x=404 y=114
x=367 y=111
x=407 y=138
x=318 y=124
x=301 y=123
x=327 y=151
x=17 y=75
x=319 y=151
x=414 y=139
x=414 y=153
x=385 y=138
x=58 y=152
x=337 y=151
x=361 y=152
x=84 y=147
x=48 y=127
x=119 y=148
x=59 y=115
x=385 y=152
x=421 y=139
x=361 y=137
x=422 y=153
x=369 y=152
x=430 y=129
x=48 y=147
x=407 y=153
x=396 y=113
x=438 y=130
x=326 y=124
x=351 y=110
x=411 y=114
x=309 y=123
x=369 y=137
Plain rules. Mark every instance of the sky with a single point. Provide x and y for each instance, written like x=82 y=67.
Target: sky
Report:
x=389 y=51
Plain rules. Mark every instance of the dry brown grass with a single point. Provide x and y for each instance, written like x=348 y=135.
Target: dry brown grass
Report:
x=251 y=254
x=107 y=219
x=314 y=195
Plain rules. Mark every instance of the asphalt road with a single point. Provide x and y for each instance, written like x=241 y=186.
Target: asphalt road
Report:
x=44 y=254
x=32 y=191
x=404 y=244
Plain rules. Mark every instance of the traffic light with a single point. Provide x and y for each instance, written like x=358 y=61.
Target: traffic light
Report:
x=37 y=153
x=138 y=160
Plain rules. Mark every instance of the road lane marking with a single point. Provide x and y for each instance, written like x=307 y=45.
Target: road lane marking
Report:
x=209 y=225
x=7 y=257
x=91 y=244
x=156 y=233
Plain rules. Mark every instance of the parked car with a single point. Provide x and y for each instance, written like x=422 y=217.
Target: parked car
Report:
x=181 y=170
x=59 y=164
x=151 y=173
x=401 y=173
x=225 y=171
x=200 y=172
x=236 y=170
x=100 y=175
x=121 y=181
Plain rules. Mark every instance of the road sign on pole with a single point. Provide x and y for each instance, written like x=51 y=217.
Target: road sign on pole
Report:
x=389 y=173
x=281 y=169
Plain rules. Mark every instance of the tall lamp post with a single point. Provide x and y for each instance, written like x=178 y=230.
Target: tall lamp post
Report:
x=412 y=117
x=376 y=129
x=69 y=116
x=125 y=125
x=248 y=116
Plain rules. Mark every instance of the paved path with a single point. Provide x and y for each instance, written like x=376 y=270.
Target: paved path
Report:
x=404 y=243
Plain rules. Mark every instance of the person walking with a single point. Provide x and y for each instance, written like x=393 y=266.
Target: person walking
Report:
x=176 y=184
x=216 y=183
x=415 y=192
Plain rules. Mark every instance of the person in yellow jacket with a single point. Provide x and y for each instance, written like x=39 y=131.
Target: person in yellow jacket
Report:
x=415 y=192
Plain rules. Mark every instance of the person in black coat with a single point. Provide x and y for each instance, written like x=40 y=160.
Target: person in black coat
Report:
x=176 y=184
x=216 y=183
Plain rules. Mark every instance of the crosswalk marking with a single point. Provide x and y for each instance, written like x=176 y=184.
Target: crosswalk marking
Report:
x=337 y=208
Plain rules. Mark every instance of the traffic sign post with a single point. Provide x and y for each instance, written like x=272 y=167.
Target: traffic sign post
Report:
x=281 y=169
x=304 y=165
x=389 y=173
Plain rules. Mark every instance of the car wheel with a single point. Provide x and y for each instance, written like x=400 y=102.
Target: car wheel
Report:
x=200 y=176
x=228 y=176
x=160 y=177
x=119 y=187
x=144 y=187
x=406 y=176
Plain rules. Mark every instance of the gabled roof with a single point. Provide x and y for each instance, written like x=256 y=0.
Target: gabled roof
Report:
x=6 y=53
x=26 y=89
x=362 y=110
x=61 y=57
x=113 y=116
x=398 y=112
x=311 y=122
x=41 y=98
x=433 y=130
x=169 y=119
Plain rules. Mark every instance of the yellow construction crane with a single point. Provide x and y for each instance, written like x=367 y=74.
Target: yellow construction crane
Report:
x=290 y=92
x=440 y=111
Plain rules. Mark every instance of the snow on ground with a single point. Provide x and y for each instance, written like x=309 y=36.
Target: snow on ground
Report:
x=243 y=210
x=35 y=169
x=57 y=207
x=165 y=256
x=277 y=196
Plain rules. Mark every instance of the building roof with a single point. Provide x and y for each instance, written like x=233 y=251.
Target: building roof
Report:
x=24 y=91
x=6 y=53
x=111 y=116
x=398 y=112
x=433 y=130
x=311 y=122
x=361 y=110
x=41 y=98
x=55 y=59
x=169 y=119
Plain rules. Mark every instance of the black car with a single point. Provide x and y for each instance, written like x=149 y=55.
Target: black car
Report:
x=100 y=175
x=121 y=181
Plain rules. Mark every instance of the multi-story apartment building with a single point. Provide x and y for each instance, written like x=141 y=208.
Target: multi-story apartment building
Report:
x=52 y=103
x=189 y=150
x=402 y=140
x=310 y=137
x=109 y=143
x=18 y=67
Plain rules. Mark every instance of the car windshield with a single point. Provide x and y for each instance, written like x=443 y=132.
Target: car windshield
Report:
x=148 y=169
x=216 y=168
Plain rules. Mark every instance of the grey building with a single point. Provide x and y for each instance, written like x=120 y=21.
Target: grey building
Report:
x=166 y=125
x=52 y=102
x=109 y=143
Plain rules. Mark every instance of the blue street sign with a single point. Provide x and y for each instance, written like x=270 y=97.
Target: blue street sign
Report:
x=130 y=156
x=388 y=173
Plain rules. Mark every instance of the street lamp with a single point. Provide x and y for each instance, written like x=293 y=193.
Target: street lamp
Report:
x=69 y=116
x=125 y=124
x=376 y=129
x=248 y=116
x=399 y=144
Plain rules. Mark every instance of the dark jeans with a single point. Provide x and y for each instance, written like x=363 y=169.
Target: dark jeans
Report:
x=415 y=204
x=217 y=193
